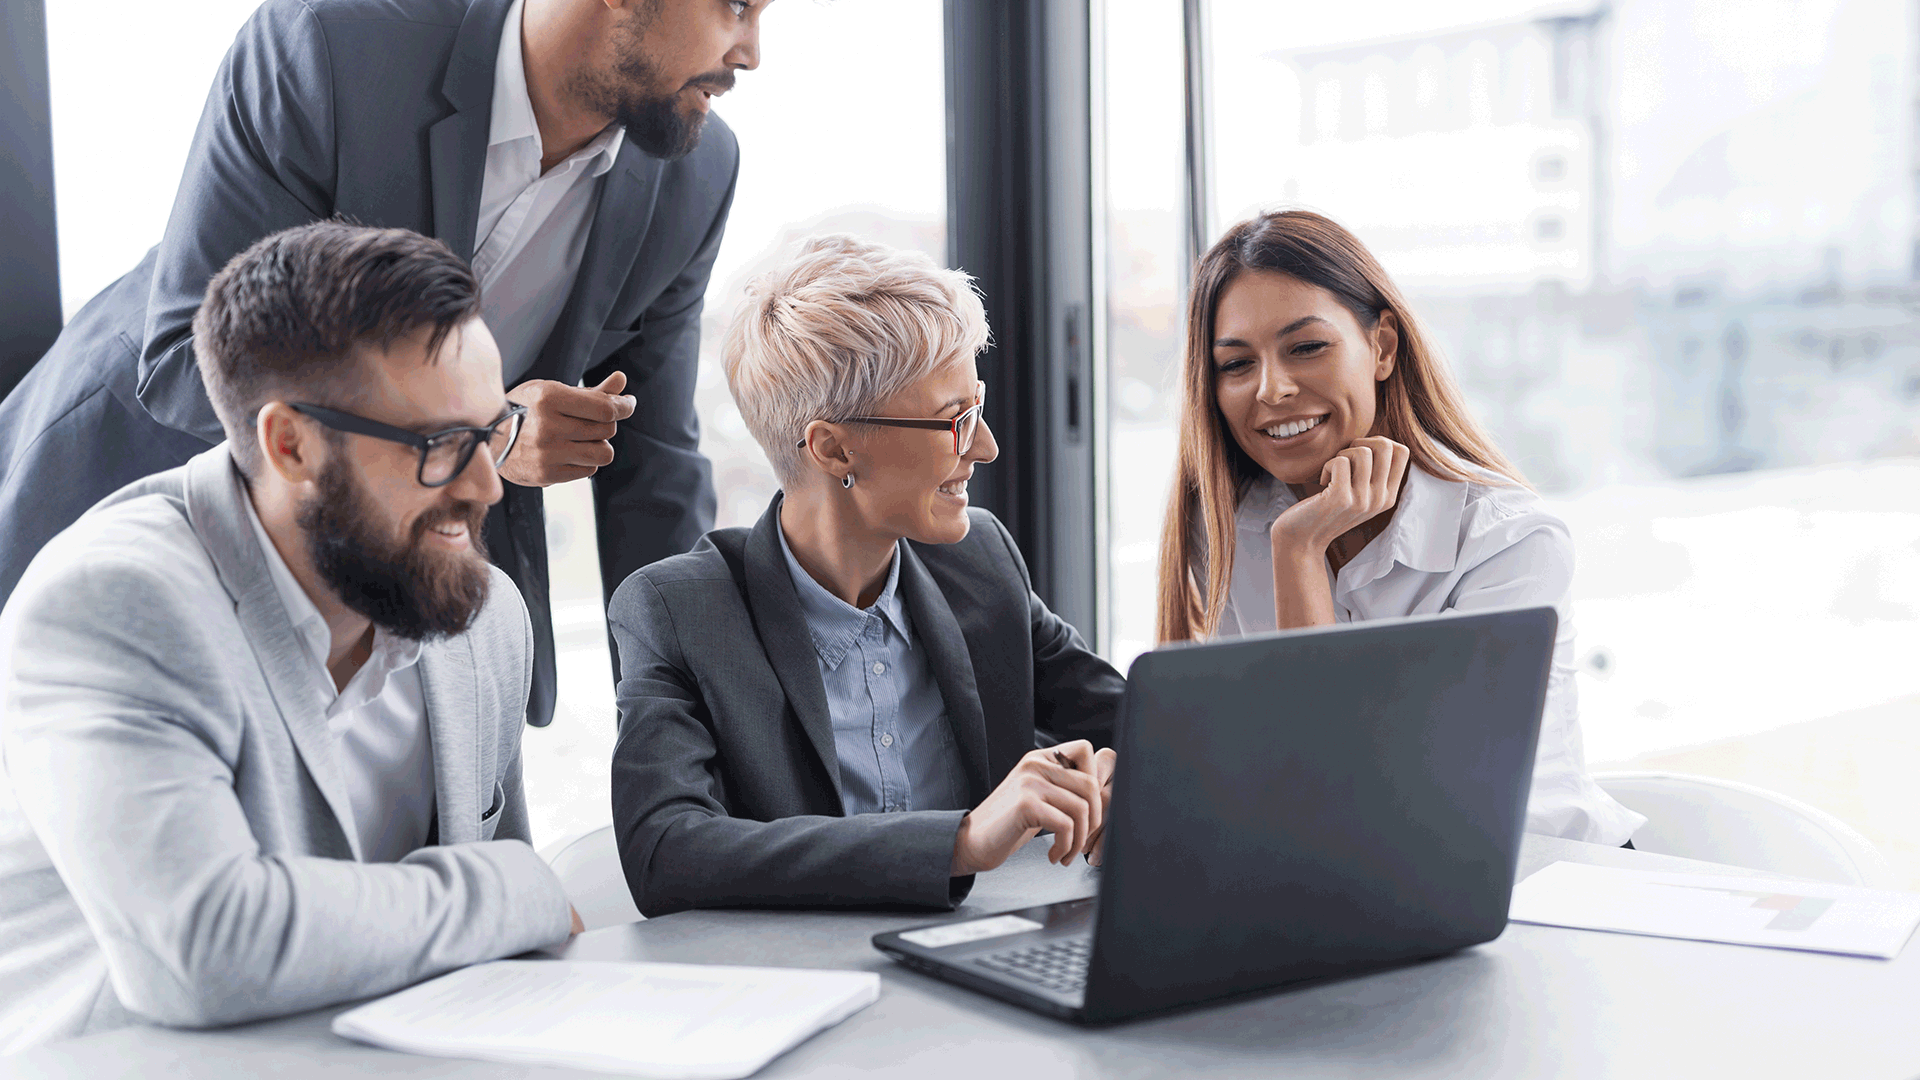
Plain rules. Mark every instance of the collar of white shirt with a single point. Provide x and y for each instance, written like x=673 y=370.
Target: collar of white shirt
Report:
x=391 y=654
x=513 y=117
x=1423 y=535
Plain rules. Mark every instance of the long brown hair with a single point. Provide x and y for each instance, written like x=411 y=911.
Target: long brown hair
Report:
x=1417 y=405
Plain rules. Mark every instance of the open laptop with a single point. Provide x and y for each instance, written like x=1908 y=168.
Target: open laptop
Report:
x=1290 y=806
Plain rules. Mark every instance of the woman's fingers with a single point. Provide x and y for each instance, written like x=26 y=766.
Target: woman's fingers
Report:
x=1078 y=754
x=1388 y=461
x=1078 y=794
x=1337 y=474
x=1061 y=824
x=1362 y=457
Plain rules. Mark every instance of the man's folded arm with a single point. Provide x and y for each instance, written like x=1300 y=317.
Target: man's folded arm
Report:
x=681 y=846
x=120 y=752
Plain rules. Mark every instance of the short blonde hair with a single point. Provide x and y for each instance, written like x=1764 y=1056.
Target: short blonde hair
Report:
x=839 y=330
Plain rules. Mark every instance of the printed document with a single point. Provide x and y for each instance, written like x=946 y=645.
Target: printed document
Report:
x=1772 y=912
x=662 y=1021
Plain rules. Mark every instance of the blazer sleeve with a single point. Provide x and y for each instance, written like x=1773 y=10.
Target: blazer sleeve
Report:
x=263 y=159
x=657 y=498
x=121 y=746
x=1076 y=693
x=514 y=822
x=680 y=844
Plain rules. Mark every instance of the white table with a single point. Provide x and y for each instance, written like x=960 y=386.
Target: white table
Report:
x=1539 y=1001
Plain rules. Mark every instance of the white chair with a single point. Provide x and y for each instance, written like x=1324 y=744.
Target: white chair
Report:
x=1700 y=817
x=588 y=865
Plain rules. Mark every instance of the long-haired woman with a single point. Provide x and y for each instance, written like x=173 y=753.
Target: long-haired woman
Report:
x=1329 y=471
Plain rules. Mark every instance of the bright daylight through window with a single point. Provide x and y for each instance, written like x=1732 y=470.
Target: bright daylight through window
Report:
x=1670 y=248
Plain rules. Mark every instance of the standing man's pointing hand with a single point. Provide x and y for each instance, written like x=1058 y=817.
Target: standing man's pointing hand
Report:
x=568 y=430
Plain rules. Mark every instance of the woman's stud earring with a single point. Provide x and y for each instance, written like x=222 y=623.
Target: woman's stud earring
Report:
x=847 y=481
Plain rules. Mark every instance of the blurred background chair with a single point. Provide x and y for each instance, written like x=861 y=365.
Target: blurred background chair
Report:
x=1700 y=817
x=588 y=865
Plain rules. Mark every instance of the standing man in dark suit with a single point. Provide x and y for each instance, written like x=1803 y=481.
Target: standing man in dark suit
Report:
x=564 y=147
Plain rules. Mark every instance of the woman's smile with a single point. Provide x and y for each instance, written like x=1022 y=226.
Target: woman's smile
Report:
x=1291 y=433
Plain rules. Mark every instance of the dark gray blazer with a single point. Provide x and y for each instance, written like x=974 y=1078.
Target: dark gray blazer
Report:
x=379 y=109
x=726 y=785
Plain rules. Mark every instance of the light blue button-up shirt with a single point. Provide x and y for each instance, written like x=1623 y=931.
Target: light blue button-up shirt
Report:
x=890 y=725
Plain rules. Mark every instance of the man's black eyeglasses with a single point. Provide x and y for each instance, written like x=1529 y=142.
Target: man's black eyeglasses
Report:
x=443 y=454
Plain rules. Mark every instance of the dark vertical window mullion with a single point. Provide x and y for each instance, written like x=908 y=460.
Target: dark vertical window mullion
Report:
x=1196 y=217
x=30 y=272
x=1019 y=220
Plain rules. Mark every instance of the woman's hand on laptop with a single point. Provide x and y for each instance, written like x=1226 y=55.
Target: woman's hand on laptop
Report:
x=1057 y=789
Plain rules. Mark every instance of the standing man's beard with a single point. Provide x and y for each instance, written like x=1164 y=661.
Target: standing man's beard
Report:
x=654 y=121
x=403 y=588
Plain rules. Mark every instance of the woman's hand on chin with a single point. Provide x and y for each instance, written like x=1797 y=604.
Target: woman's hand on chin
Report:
x=1357 y=485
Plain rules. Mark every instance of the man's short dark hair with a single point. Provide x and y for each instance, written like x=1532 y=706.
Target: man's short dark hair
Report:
x=283 y=319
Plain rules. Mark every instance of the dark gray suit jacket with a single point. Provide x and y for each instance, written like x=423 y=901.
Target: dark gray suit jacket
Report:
x=726 y=784
x=379 y=110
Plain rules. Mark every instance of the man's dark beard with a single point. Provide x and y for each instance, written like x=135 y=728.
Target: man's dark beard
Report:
x=654 y=121
x=404 y=589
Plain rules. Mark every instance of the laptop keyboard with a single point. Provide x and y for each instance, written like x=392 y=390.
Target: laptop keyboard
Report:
x=1059 y=966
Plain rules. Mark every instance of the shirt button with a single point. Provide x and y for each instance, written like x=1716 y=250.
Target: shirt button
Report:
x=887 y=739
x=879 y=668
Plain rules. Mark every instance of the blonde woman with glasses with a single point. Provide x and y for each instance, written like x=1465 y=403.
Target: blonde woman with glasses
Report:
x=1329 y=471
x=859 y=700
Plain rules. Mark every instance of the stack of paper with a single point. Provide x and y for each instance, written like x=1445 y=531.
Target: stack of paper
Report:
x=1773 y=912
x=665 y=1021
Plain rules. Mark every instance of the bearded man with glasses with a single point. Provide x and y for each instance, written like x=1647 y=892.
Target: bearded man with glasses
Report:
x=263 y=711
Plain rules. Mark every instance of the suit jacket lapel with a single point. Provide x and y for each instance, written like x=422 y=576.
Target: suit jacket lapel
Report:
x=458 y=144
x=952 y=663
x=775 y=607
x=622 y=212
x=451 y=687
x=214 y=509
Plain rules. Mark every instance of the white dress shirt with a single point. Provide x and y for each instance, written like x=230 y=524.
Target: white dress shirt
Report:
x=1455 y=547
x=532 y=229
x=378 y=721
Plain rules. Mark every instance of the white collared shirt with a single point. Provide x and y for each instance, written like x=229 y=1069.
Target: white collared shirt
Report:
x=533 y=229
x=1455 y=547
x=378 y=721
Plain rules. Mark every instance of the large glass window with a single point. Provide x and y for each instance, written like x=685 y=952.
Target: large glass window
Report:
x=1141 y=84
x=1670 y=248
x=128 y=80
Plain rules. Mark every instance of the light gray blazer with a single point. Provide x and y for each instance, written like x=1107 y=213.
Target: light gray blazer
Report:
x=171 y=838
